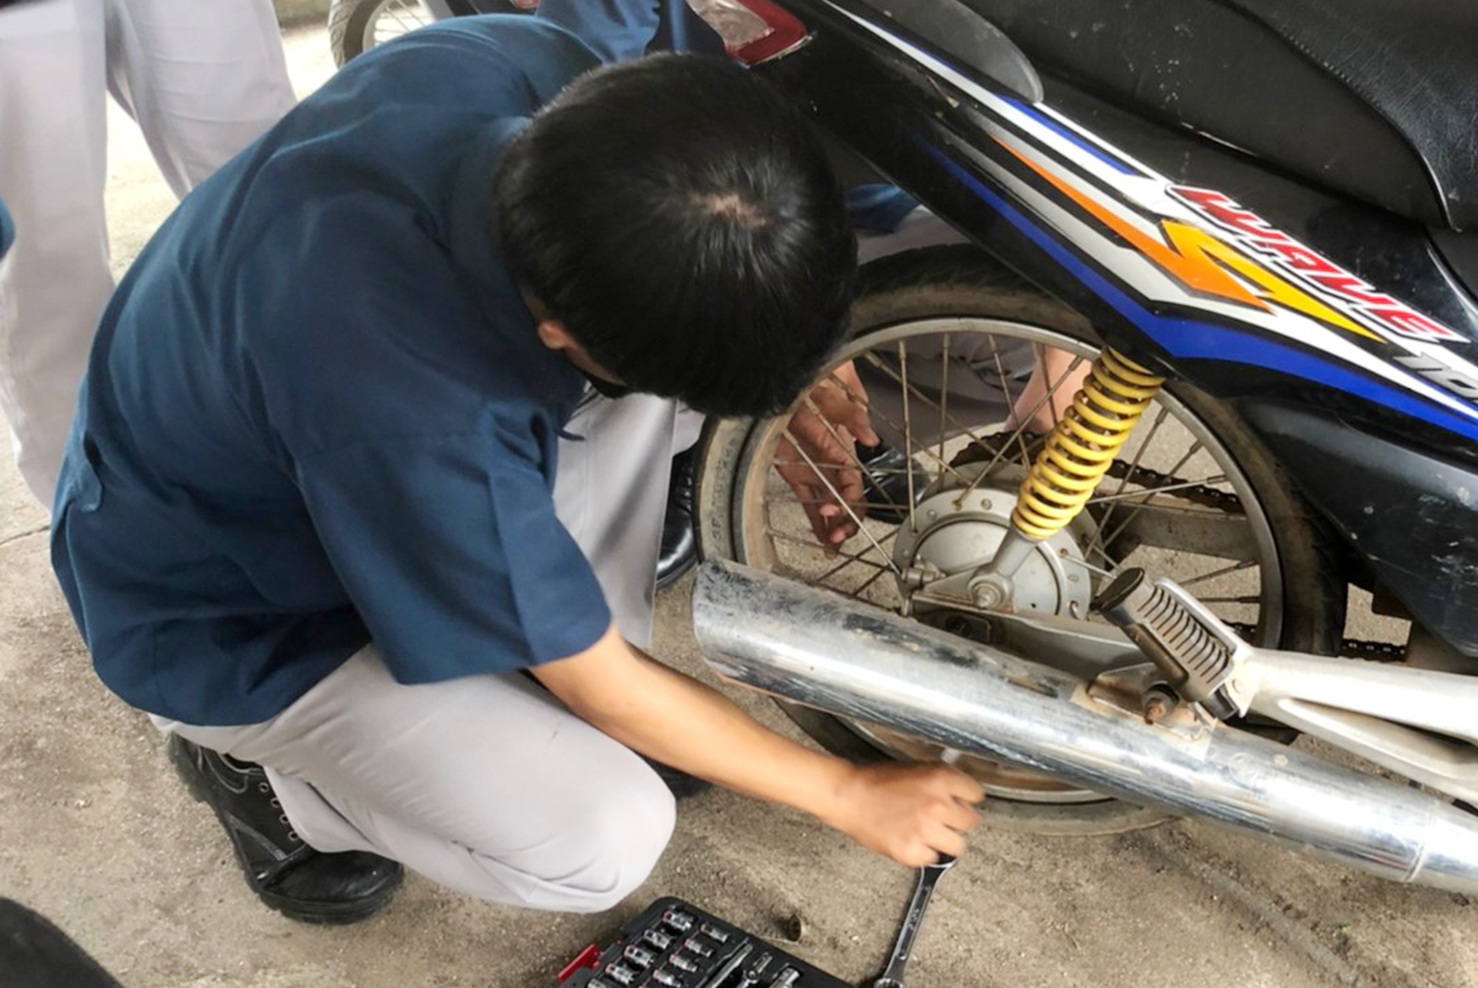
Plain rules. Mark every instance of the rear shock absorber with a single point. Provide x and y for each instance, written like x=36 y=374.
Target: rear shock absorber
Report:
x=1078 y=454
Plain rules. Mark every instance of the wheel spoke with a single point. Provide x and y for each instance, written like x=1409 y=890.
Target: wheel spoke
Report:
x=1194 y=448
x=396 y=13
x=848 y=448
x=1016 y=436
x=913 y=522
x=896 y=427
x=1234 y=568
x=839 y=567
x=1219 y=478
x=851 y=514
x=850 y=557
x=1124 y=480
x=881 y=365
x=943 y=398
x=1019 y=430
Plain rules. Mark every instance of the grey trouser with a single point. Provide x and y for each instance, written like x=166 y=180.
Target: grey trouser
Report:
x=487 y=784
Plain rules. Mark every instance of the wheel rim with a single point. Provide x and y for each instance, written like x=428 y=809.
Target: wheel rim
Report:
x=392 y=18
x=1171 y=442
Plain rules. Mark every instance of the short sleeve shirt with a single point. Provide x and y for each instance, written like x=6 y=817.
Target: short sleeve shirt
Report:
x=317 y=412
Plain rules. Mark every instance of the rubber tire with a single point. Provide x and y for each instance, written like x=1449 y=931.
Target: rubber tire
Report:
x=963 y=281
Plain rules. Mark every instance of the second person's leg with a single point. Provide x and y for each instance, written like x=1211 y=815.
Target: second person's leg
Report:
x=203 y=78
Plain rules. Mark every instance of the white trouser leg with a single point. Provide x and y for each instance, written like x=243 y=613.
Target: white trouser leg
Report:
x=611 y=493
x=52 y=171
x=203 y=78
x=487 y=784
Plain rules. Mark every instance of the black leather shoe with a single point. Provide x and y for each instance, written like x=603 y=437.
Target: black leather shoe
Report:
x=285 y=873
x=885 y=484
x=679 y=542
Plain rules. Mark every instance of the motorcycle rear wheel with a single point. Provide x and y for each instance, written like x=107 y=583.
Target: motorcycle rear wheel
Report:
x=1277 y=586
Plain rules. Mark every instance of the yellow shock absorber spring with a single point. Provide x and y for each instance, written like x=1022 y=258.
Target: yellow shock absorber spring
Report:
x=1083 y=444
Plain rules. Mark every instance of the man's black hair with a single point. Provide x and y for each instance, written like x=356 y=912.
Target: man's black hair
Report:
x=679 y=217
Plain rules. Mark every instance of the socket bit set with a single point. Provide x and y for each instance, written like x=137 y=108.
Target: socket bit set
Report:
x=673 y=944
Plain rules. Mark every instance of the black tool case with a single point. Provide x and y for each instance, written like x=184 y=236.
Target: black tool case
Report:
x=673 y=944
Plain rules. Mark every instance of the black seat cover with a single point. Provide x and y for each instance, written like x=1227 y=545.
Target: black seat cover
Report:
x=1374 y=98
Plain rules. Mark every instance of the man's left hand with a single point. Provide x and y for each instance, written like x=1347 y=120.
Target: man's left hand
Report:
x=826 y=428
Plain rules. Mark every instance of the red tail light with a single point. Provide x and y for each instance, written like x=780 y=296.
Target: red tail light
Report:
x=754 y=31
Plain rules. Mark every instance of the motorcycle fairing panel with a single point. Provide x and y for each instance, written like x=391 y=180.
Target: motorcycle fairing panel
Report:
x=1371 y=98
x=1237 y=285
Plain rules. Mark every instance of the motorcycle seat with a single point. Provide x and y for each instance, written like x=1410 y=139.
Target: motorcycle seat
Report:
x=1376 y=99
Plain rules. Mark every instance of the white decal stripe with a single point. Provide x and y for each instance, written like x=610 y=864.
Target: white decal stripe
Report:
x=1067 y=123
x=1146 y=278
x=1151 y=192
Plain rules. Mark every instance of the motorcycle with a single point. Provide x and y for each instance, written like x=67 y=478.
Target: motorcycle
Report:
x=1203 y=367
x=1207 y=362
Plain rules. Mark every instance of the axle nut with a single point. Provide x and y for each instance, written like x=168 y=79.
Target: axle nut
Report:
x=988 y=595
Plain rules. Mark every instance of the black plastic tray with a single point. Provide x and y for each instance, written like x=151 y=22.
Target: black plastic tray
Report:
x=669 y=936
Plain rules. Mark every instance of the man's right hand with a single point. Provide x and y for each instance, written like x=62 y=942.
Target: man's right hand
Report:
x=910 y=813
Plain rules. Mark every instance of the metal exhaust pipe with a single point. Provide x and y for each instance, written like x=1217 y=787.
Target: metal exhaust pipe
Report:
x=826 y=651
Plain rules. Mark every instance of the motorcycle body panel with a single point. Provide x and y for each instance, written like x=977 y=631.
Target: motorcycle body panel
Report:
x=1335 y=325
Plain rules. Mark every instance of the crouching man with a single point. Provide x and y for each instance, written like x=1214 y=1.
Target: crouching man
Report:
x=364 y=492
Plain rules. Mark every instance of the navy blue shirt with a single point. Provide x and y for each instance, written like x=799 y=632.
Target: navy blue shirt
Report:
x=317 y=413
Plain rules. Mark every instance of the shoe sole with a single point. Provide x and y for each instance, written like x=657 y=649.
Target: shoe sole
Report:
x=317 y=913
x=665 y=580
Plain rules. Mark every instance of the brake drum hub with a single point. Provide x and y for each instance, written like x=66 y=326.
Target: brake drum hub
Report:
x=958 y=532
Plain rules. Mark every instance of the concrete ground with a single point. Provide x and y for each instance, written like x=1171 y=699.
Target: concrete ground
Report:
x=99 y=835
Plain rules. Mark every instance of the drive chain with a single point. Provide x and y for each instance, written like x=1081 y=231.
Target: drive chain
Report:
x=1349 y=648
x=1146 y=477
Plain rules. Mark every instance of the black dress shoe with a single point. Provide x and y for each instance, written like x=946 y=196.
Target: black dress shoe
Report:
x=679 y=541
x=885 y=483
x=285 y=873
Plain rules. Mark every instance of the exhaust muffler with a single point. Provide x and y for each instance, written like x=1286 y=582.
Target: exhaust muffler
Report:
x=844 y=657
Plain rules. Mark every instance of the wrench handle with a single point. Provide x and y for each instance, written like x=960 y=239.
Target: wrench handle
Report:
x=892 y=976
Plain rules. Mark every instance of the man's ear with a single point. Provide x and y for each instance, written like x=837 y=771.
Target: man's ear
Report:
x=552 y=334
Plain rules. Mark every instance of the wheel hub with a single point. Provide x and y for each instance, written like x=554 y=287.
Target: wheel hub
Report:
x=959 y=529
